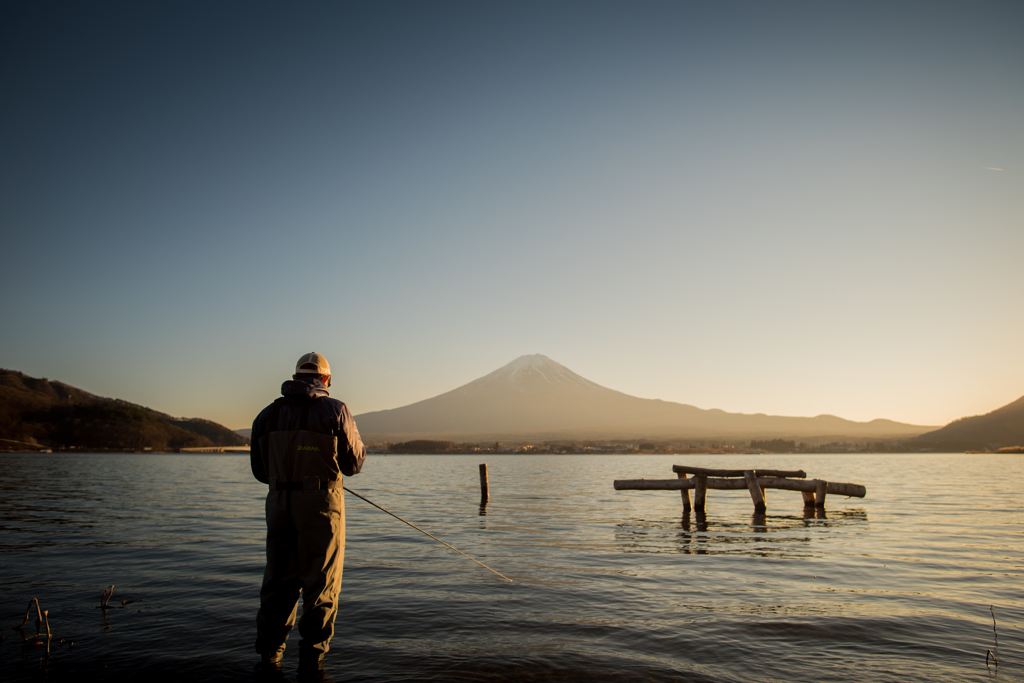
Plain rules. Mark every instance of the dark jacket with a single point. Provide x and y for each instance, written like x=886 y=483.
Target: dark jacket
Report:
x=305 y=433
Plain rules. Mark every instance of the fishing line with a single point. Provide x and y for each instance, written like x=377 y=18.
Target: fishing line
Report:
x=424 y=532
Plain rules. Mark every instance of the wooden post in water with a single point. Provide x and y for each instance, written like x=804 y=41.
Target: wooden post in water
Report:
x=485 y=493
x=756 y=492
x=685 y=493
x=820 y=489
x=700 y=493
x=808 y=498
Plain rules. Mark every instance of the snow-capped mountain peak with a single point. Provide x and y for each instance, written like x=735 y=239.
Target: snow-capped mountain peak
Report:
x=536 y=372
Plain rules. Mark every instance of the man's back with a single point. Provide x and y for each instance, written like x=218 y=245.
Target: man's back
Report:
x=303 y=422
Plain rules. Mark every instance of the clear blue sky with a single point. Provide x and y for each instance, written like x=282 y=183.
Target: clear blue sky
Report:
x=790 y=208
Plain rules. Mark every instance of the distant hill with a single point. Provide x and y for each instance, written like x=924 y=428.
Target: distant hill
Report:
x=999 y=429
x=57 y=415
x=535 y=398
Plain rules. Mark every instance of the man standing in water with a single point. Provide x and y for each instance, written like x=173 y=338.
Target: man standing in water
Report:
x=301 y=444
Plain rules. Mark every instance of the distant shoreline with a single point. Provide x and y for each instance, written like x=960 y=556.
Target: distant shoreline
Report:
x=1001 y=451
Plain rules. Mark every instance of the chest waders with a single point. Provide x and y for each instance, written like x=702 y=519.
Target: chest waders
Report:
x=305 y=536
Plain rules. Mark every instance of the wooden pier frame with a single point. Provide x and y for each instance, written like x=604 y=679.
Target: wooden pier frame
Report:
x=756 y=482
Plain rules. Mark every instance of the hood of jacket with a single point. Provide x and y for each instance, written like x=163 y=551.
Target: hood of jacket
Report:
x=304 y=389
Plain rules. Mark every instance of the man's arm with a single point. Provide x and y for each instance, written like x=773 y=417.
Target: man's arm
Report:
x=351 y=452
x=255 y=455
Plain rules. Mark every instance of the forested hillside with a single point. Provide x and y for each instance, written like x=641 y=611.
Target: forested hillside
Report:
x=1000 y=428
x=60 y=416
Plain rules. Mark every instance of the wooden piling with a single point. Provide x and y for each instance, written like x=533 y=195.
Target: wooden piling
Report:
x=700 y=493
x=485 y=493
x=820 y=489
x=685 y=494
x=756 y=492
x=808 y=498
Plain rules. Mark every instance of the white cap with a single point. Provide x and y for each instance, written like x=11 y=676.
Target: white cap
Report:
x=312 y=363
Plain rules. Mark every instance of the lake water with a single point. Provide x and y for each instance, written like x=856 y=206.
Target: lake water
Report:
x=609 y=585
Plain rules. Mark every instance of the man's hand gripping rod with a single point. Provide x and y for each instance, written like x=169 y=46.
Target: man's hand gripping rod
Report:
x=424 y=532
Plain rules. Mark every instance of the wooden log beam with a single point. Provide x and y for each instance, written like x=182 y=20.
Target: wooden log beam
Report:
x=686 y=469
x=756 y=494
x=833 y=487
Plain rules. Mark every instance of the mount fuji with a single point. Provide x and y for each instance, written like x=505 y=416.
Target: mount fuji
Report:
x=535 y=398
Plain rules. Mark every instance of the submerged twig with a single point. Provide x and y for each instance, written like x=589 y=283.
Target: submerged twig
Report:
x=39 y=638
x=106 y=596
x=995 y=634
x=993 y=653
x=28 y=611
x=42 y=619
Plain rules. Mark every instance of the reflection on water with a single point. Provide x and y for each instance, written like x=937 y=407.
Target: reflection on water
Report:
x=731 y=538
x=609 y=585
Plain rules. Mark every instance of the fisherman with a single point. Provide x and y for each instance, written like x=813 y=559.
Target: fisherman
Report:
x=301 y=445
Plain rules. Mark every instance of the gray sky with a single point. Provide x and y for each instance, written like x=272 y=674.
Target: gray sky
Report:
x=790 y=208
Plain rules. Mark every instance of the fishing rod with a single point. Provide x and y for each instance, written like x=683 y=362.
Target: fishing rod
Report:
x=424 y=532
